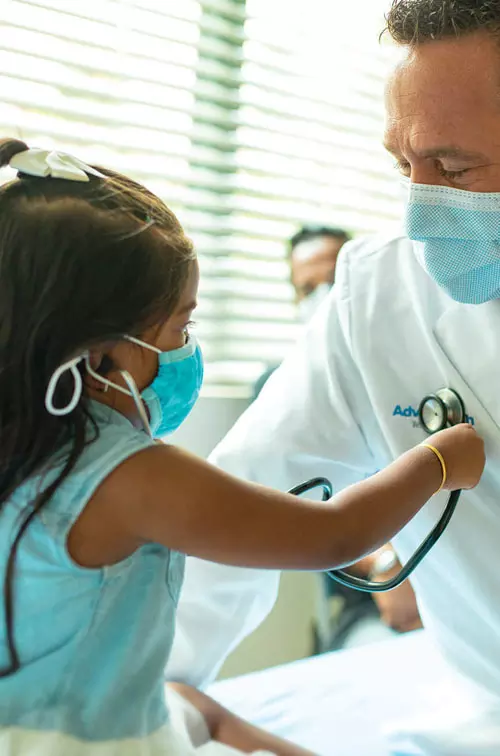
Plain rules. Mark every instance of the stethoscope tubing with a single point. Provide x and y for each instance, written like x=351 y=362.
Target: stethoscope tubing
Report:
x=371 y=586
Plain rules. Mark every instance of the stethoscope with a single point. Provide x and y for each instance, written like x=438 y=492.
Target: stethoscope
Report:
x=436 y=412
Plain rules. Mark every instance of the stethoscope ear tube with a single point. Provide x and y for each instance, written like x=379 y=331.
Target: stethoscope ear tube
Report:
x=370 y=586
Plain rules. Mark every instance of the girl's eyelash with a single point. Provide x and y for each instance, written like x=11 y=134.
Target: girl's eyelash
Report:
x=191 y=324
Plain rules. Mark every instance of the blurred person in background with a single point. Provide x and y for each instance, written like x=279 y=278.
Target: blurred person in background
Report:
x=312 y=254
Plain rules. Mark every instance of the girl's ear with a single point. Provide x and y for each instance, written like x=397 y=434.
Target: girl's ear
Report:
x=102 y=364
x=105 y=366
x=95 y=359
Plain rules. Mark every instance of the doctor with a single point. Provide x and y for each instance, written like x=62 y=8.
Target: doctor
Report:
x=404 y=319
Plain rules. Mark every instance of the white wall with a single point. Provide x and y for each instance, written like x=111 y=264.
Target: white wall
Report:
x=208 y=423
x=286 y=634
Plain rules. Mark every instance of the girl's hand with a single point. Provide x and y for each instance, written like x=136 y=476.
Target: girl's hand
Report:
x=463 y=453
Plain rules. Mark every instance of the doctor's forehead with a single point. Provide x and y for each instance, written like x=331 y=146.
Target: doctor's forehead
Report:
x=444 y=92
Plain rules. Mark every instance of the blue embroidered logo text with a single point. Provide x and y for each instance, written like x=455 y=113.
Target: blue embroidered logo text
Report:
x=413 y=413
x=408 y=412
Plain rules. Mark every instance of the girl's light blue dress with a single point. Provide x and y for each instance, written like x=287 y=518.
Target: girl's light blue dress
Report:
x=93 y=643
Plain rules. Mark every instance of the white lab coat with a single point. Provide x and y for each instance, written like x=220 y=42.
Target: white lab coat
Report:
x=343 y=405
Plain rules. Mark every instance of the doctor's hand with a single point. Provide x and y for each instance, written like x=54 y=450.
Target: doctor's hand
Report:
x=398 y=608
x=463 y=452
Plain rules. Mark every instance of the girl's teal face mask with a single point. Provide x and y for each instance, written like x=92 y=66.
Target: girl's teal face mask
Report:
x=174 y=391
x=457 y=239
x=169 y=398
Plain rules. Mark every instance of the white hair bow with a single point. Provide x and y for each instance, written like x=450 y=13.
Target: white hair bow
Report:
x=44 y=163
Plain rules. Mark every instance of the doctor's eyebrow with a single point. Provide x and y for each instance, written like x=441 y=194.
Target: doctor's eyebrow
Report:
x=451 y=151
x=445 y=151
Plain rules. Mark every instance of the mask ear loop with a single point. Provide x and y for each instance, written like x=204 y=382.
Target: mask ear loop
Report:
x=143 y=344
x=133 y=388
x=138 y=401
x=72 y=366
x=131 y=391
x=101 y=379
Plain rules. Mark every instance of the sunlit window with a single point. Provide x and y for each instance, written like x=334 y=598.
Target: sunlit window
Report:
x=247 y=118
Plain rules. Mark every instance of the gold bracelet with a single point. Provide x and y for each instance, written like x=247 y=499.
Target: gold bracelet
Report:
x=443 y=464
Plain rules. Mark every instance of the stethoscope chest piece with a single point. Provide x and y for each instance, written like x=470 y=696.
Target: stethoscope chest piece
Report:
x=441 y=410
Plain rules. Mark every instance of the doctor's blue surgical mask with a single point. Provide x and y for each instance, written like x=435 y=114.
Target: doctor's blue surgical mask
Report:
x=169 y=398
x=456 y=236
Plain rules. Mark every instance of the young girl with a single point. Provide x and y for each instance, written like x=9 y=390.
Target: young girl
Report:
x=97 y=287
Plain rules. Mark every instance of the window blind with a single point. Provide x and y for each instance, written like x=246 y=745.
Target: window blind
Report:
x=248 y=117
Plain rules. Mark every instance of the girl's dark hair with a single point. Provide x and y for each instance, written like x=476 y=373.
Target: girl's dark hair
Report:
x=81 y=264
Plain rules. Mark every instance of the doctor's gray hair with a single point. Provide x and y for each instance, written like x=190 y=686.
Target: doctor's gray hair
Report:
x=411 y=22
